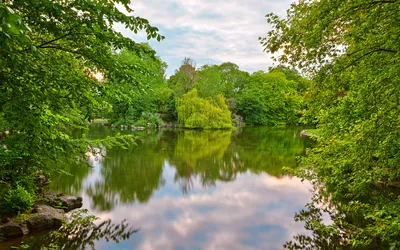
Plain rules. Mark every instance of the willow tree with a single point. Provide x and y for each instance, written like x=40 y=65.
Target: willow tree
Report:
x=203 y=113
x=50 y=53
x=352 y=48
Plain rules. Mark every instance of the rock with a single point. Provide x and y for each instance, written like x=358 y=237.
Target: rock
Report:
x=60 y=200
x=40 y=222
x=5 y=220
x=140 y=128
x=11 y=230
x=304 y=132
x=237 y=121
x=50 y=197
x=57 y=214
x=71 y=202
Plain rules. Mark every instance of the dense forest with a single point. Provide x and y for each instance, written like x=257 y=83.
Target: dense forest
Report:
x=63 y=65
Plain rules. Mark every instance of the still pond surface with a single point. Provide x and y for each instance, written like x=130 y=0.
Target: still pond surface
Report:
x=196 y=189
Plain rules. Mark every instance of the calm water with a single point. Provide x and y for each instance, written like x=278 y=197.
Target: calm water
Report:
x=196 y=189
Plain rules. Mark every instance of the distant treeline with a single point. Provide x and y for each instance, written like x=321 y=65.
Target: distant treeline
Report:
x=205 y=97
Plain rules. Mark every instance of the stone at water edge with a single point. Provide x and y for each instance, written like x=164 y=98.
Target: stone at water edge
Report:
x=71 y=202
x=57 y=215
x=40 y=222
x=11 y=230
x=305 y=133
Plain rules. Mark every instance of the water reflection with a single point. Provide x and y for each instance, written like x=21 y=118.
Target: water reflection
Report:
x=199 y=189
x=127 y=176
x=254 y=212
x=315 y=217
x=81 y=232
x=201 y=154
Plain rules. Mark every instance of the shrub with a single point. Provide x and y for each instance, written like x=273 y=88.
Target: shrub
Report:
x=151 y=118
x=204 y=113
x=141 y=122
x=18 y=200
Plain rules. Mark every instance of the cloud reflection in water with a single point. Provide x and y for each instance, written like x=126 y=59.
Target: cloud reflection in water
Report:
x=199 y=189
x=253 y=212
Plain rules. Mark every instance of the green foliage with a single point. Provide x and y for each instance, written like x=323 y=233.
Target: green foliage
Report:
x=232 y=79
x=263 y=99
x=292 y=74
x=128 y=101
x=197 y=112
x=269 y=99
x=149 y=118
x=209 y=82
x=353 y=50
x=17 y=200
x=184 y=79
x=50 y=52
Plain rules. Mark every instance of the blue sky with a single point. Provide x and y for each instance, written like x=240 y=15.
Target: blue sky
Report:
x=209 y=32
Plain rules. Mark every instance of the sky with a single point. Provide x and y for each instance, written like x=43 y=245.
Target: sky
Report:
x=209 y=31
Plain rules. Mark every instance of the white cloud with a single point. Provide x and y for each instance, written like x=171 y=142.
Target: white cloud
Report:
x=211 y=31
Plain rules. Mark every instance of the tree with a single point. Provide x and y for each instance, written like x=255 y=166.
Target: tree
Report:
x=269 y=99
x=50 y=51
x=131 y=102
x=196 y=112
x=352 y=49
x=232 y=79
x=292 y=75
x=209 y=81
x=184 y=79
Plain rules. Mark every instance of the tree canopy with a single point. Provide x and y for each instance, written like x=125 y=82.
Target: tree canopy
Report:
x=352 y=49
x=50 y=53
x=269 y=99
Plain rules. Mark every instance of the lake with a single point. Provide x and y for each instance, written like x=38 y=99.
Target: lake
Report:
x=187 y=189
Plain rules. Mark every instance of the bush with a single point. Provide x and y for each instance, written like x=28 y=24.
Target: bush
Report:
x=197 y=112
x=153 y=119
x=27 y=181
x=18 y=200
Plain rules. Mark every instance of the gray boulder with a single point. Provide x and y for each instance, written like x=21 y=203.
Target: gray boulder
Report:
x=57 y=215
x=11 y=230
x=50 y=197
x=40 y=222
x=71 y=202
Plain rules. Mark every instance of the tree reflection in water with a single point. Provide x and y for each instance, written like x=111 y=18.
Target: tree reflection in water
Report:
x=173 y=176
x=81 y=232
x=131 y=175
x=323 y=235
